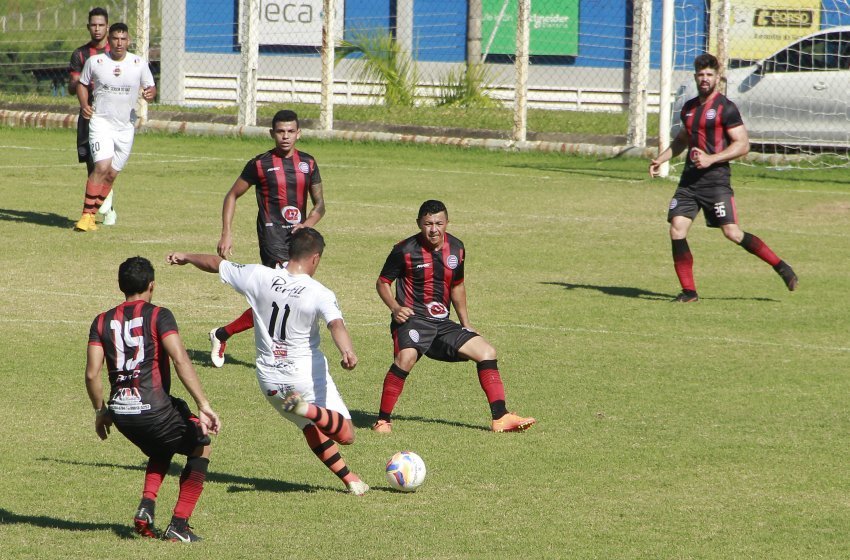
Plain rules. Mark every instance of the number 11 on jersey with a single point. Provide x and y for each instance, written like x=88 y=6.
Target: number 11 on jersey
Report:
x=273 y=321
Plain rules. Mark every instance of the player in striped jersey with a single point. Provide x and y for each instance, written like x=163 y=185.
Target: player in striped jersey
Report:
x=427 y=269
x=282 y=178
x=137 y=340
x=714 y=134
x=97 y=27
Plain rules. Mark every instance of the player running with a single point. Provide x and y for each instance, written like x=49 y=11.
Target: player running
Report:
x=291 y=369
x=137 y=339
x=97 y=27
x=427 y=269
x=283 y=178
x=714 y=133
x=116 y=78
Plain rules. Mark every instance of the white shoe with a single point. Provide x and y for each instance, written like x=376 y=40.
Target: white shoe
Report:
x=216 y=349
x=293 y=402
x=106 y=207
x=110 y=218
x=358 y=487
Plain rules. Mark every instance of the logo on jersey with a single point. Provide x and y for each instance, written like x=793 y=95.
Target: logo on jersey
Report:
x=272 y=169
x=137 y=61
x=710 y=114
x=116 y=71
x=673 y=204
x=423 y=265
x=414 y=335
x=291 y=214
x=437 y=310
x=452 y=262
x=304 y=167
x=271 y=392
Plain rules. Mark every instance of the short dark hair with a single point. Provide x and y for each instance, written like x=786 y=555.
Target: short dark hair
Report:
x=431 y=207
x=120 y=27
x=285 y=116
x=706 y=60
x=135 y=275
x=306 y=242
x=99 y=12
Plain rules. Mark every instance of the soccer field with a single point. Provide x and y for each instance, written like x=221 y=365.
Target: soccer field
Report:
x=709 y=430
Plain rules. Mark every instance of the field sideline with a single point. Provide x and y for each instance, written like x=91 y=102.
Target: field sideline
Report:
x=711 y=430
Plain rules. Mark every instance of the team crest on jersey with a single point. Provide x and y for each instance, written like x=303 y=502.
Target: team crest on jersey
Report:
x=136 y=61
x=414 y=335
x=710 y=114
x=116 y=71
x=304 y=167
x=437 y=310
x=291 y=214
x=452 y=262
x=673 y=204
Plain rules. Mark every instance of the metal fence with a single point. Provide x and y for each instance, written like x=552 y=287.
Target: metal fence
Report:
x=580 y=55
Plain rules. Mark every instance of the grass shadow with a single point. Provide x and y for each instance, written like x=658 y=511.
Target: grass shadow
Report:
x=364 y=420
x=639 y=293
x=39 y=218
x=10 y=518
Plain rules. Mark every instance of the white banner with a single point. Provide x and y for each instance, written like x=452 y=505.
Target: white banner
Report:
x=295 y=22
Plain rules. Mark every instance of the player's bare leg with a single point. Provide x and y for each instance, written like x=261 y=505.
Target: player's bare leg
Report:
x=484 y=356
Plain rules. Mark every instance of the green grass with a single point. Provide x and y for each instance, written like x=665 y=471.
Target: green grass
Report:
x=712 y=430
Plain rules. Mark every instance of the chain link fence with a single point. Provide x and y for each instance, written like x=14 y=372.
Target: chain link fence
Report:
x=557 y=55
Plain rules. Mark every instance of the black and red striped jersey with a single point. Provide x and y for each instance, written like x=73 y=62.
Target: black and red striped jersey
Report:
x=79 y=58
x=282 y=186
x=424 y=277
x=707 y=125
x=139 y=368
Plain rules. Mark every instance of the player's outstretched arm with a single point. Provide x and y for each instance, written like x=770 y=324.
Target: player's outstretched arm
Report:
x=342 y=339
x=94 y=387
x=207 y=263
x=680 y=142
x=173 y=344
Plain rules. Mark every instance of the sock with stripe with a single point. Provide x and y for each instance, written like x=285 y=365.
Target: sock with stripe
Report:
x=191 y=485
x=683 y=262
x=242 y=323
x=491 y=382
x=759 y=248
x=154 y=475
x=330 y=422
x=393 y=386
x=328 y=453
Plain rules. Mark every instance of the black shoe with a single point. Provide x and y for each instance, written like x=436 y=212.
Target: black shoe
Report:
x=687 y=296
x=787 y=273
x=177 y=533
x=143 y=522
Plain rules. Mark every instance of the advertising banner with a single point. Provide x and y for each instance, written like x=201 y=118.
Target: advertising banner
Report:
x=553 y=27
x=295 y=22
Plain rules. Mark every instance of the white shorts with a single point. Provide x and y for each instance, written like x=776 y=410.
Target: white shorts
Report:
x=108 y=140
x=308 y=376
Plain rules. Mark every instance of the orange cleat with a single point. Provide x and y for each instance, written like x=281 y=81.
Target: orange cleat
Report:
x=382 y=427
x=510 y=422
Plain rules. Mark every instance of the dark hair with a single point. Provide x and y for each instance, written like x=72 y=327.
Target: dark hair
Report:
x=431 y=207
x=98 y=12
x=135 y=275
x=285 y=116
x=119 y=27
x=306 y=242
x=706 y=60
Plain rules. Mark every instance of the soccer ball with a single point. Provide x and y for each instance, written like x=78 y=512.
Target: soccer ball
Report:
x=406 y=471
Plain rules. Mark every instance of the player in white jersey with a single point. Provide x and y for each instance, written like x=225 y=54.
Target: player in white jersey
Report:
x=291 y=369
x=116 y=77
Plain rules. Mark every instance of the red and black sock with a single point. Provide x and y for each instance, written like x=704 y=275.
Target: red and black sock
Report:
x=330 y=422
x=393 y=386
x=491 y=382
x=242 y=323
x=683 y=262
x=328 y=453
x=759 y=248
x=93 y=198
x=191 y=485
x=154 y=475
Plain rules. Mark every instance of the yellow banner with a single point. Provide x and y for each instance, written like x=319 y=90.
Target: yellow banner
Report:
x=759 y=28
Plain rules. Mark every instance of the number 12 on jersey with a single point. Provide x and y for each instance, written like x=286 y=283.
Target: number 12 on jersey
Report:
x=273 y=321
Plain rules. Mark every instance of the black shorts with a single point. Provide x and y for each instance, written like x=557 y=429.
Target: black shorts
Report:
x=173 y=431
x=83 y=150
x=716 y=202
x=439 y=340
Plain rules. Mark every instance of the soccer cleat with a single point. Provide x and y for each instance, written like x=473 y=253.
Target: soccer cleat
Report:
x=86 y=223
x=143 y=522
x=293 y=402
x=357 y=487
x=687 y=296
x=176 y=533
x=787 y=273
x=106 y=206
x=216 y=349
x=382 y=427
x=110 y=218
x=510 y=422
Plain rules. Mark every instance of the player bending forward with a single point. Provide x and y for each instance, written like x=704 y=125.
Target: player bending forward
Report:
x=137 y=339
x=291 y=369
x=427 y=269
